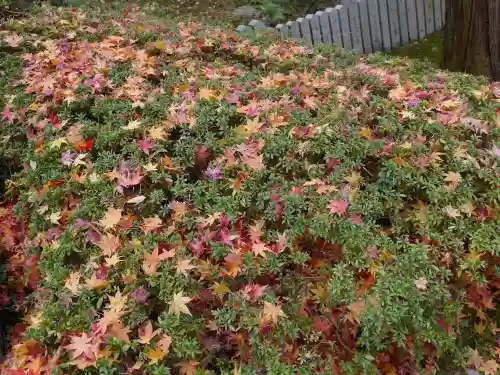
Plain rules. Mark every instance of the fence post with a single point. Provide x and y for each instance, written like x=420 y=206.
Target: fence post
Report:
x=384 y=22
x=324 y=24
x=333 y=15
x=392 y=6
x=315 y=30
x=294 y=29
x=355 y=27
x=305 y=29
x=411 y=11
x=365 y=26
x=344 y=26
x=283 y=30
x=421 y=18
x=438 y=15
x=429 y=17
x=375 y=31
x=403 y=22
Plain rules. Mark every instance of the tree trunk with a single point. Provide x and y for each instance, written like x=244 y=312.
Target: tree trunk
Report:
x=472 y=37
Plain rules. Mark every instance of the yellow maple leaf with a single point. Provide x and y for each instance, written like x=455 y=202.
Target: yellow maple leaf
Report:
x=178 y=304
x=117 y=302
x=155 y=355
x=220 y=289
x=135 y=124
x=57 y=144
x=157 y=133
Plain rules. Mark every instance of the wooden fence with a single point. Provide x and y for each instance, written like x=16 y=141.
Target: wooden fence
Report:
x=364 y=25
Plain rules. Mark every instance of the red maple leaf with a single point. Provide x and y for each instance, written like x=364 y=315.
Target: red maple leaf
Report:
x=85 y=145
x=338 y=206
x=145 y=145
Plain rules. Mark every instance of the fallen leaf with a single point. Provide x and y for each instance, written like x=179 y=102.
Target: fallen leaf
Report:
x=146 y=333
x=111 y=218
x=271 y=313
x=183 y=266
x=178 y=304
x=188 y=367
x=338 y=206
x=137 y=200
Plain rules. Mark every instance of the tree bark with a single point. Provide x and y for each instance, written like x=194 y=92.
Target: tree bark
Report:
x=472 y=37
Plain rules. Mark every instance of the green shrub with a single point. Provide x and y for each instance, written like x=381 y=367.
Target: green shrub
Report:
x=204 y=203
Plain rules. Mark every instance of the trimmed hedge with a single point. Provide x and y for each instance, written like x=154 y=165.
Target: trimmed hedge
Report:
x=200 y=202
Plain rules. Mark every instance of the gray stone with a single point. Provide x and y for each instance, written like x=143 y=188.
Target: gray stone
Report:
x=246 y=12
x=470 y=371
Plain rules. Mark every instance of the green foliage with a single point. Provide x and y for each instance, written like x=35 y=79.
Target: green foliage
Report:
x=202 y=203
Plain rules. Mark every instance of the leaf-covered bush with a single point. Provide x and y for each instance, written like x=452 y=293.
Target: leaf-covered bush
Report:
x=200 y=202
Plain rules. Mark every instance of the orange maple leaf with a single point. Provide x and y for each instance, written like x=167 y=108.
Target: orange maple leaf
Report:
x=111 y=218
x=152 y=261
x=146 y=333
x=150 y=224
x=72 y=282
x=119 y=331
x=188 y=367
x=164 y=343
x=109 y=244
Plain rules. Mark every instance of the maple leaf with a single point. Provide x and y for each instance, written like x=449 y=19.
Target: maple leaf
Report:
x=188 y=367
x=112 y=261
x=158 y=133
x=355 y=310
x=421 y=283
x=155 y=355
x=135 y=124
x=150 y=224
x=55 y=217
x=146 y=333
x=338 y=206
x=57 y=143
x=233 y=263
x=109 y=244
x=259 y=248
x=183 y=266
x=451 y=212
x=137 y=200
x=146 y=145
x=179 y=209
x=475 y=359
x=111 y=218
x=164 y=343
x=119 y=331
x=117 y=302
x=310 y=102
x=453 y=178
x=151 y=262
x=72 y=282
x=81 y=345
x=130 y=177
x=206 y=93
x=490 y=367
x=178 y=304
x=271 y=313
